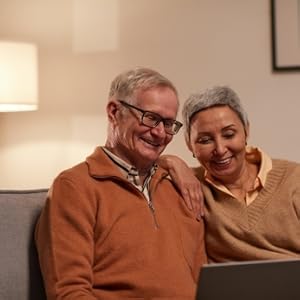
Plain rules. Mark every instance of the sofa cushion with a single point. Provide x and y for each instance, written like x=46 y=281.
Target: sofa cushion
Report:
x=20 y=277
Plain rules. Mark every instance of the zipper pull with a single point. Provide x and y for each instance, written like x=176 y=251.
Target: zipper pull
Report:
x=150 y=204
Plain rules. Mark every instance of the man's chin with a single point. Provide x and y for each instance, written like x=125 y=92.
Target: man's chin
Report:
x=149 y=157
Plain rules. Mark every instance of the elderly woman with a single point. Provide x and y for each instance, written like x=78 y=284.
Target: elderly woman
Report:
x=252 y=202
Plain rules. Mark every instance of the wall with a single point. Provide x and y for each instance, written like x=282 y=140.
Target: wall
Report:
x=83 y=44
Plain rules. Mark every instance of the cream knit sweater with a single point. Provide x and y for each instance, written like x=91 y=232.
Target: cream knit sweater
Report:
x=269 y=228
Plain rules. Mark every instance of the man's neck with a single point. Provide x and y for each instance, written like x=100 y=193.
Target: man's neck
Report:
x=143 y=170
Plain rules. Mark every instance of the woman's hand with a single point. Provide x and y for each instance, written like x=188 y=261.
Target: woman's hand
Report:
x=185 y=180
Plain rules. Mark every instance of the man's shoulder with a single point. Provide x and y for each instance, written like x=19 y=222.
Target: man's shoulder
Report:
x=75 y=173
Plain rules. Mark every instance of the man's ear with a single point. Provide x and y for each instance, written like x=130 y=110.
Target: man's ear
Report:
x=112 y=111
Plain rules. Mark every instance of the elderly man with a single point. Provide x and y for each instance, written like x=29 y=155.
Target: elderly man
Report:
x=114 y=226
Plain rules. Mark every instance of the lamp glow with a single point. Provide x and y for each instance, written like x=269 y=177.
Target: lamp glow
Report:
x=18 y=77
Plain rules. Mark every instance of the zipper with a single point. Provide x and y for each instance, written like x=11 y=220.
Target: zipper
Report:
x=152 y=209
x=149 y=202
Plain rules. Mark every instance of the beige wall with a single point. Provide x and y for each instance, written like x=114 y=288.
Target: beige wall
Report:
x=83 y=44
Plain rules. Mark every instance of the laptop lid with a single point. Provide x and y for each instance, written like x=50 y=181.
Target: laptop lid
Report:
x=250 y=280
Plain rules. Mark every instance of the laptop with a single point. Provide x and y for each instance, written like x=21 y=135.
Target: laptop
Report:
x=250 y=280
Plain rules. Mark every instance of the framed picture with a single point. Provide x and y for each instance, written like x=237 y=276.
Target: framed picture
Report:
x=285 y=23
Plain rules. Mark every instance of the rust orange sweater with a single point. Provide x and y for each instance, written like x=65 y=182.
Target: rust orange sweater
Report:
x=98 y=239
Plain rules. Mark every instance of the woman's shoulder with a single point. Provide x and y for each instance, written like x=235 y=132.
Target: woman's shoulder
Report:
x=285 y=162
x=199 y=172
x=287 y=166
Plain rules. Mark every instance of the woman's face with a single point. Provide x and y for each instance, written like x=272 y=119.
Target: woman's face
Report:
x=218 y=141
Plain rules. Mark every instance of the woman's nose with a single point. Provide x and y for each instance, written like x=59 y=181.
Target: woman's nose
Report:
x=220 y=149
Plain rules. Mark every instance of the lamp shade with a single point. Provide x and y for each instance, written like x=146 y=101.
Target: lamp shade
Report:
x=18 y=77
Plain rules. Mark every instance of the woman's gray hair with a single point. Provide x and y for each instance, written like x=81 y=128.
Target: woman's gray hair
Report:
x=214 y=96
x=127 y=83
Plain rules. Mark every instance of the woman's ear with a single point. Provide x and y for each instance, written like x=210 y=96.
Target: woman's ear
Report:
x=247 y=132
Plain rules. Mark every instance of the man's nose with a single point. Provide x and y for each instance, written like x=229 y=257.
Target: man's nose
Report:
x=159 y=128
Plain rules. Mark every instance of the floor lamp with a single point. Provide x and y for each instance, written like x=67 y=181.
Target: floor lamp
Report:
x=18 y=77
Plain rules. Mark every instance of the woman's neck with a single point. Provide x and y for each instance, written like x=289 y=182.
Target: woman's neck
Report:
x=244 y=182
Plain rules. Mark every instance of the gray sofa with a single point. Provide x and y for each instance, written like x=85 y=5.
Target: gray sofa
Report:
x=20 y=277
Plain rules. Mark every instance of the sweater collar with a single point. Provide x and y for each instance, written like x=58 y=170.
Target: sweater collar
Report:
x=100 y=165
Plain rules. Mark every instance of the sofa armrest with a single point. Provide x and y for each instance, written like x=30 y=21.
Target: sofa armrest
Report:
x=20 y=276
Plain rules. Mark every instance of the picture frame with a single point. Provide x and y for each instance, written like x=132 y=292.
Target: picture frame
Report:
x=285 y=30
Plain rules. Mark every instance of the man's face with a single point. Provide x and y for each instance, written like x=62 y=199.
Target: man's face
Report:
x=136 y=143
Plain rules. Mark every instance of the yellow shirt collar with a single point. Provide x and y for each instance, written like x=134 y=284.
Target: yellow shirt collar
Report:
x=254 y=155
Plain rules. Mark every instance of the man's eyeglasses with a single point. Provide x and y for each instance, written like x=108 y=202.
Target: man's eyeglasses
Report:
x=151 y=119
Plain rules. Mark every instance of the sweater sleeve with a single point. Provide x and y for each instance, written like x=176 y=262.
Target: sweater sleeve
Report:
x=64 y=239
x=293 y=184
x=296 y=197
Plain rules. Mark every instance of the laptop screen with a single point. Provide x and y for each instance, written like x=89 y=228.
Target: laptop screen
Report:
x=250 y=280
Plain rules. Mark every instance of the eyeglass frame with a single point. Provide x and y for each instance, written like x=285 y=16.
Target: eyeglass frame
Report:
x=158 y=118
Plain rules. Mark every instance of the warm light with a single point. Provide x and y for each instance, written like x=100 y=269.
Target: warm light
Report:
x=18 y=77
